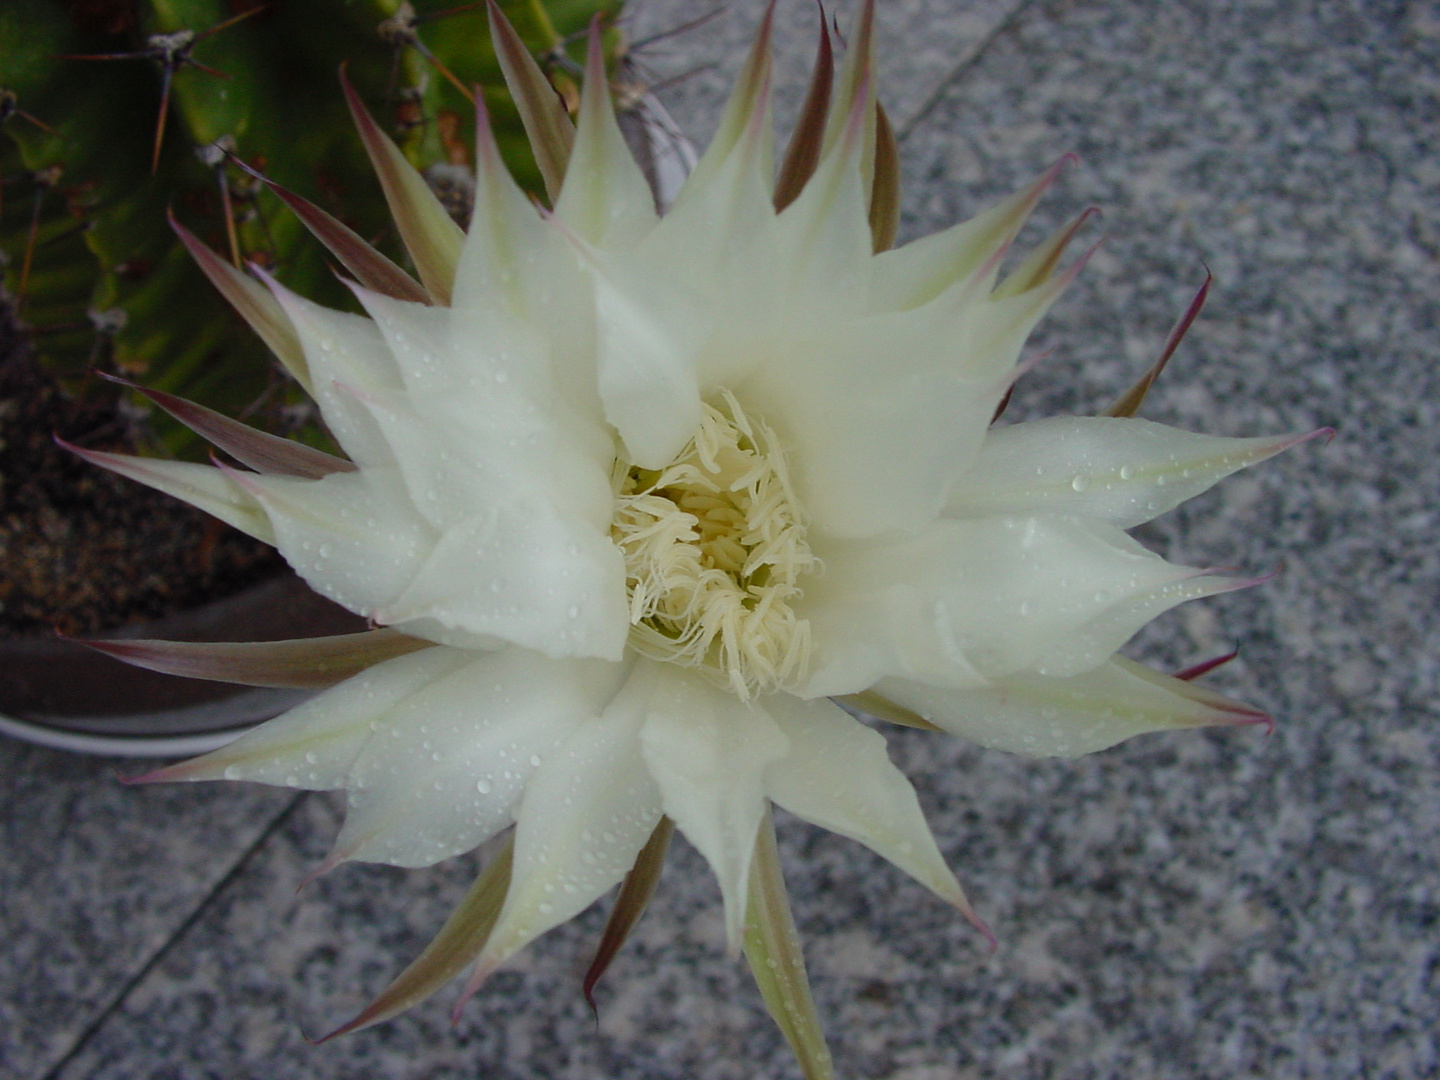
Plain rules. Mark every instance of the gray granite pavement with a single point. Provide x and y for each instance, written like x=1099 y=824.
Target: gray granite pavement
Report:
x=1193 y=906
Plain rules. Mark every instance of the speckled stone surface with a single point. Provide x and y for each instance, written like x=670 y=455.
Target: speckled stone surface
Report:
x=1192 y=906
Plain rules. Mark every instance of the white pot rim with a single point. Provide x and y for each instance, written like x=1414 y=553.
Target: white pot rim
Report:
x=80 y=742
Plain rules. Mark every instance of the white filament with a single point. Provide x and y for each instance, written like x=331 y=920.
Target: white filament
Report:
x=715 y=548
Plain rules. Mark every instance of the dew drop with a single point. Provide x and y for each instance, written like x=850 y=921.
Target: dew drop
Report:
x=483 y=786
x=1080 y=483
x=1127 y=472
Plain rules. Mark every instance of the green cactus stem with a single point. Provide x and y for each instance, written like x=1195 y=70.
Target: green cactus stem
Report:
x=116 y=112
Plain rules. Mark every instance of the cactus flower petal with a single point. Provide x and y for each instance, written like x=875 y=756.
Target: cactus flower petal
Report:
x=709 y=753
x=431 y=237
x=836 y=774
x=215 y=492
x=585 y=816
x=547 y=124
x=315 y=744
x=1123 y=471
x=1066 y=717
x=259 y=450
x=299 y=664
x=964 y=602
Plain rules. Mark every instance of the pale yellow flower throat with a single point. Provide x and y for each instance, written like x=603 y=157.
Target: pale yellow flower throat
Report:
x=715 y=548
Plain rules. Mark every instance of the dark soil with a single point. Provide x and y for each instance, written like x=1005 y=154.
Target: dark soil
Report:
x=81 y=549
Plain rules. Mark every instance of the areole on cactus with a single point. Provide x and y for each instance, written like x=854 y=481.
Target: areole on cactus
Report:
x=634 y=500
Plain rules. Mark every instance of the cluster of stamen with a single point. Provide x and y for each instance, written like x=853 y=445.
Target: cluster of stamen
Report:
x=714 y=548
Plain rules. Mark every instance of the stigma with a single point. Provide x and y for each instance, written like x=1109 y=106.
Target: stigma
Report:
x=715 y=554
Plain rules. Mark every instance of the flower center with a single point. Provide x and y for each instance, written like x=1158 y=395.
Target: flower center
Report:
x=714 y=547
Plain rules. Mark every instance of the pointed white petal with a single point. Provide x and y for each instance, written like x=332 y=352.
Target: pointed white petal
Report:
x=1041 y=262
x=645 y=358
x=523 y=551
x=851 y=113
x=525 y=574
x=519 y=502
x=748 y=105
x=586 y=813
x=605 y=199
x=777 y=961
x=498 y=258
x=967 y=601
x=838 y=775
x=824 y=239
x=708 y=751
x=1122 y=470
x=251 y=301
x=467 y=434
x=884 y=412
x=346 y=355
x=489 y=388
x=460 y=455
x=354 y=537
x=430 y=235
x=1044 y=717
x=874 y=420
x=417 y=341
x=315 y=744
x=908 y=276
x=727 y=196
x=448 y=767
x=203 y=486
x=709 y=274
x=547 y=124
x=525 y=316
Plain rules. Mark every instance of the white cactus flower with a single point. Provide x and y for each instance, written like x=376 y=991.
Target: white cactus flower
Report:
x=637 y=497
